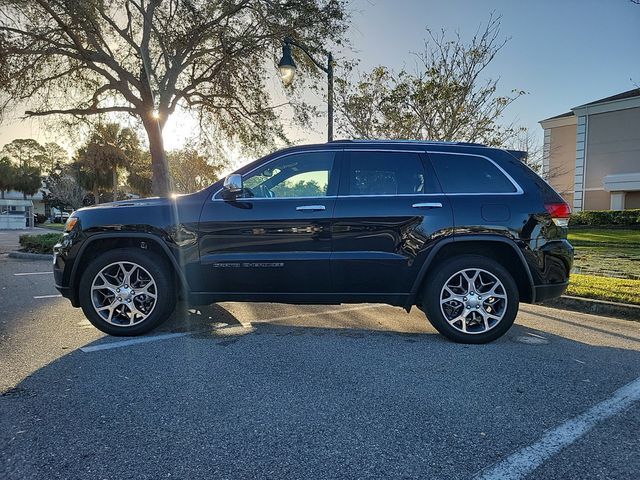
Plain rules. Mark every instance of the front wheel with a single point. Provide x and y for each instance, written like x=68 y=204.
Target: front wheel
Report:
x=126 y=292
x=471 y=299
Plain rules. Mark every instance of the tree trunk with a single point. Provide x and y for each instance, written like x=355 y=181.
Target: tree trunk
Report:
x=96 y=194
x=160 y=186
x=115 y=183
x=3 y=194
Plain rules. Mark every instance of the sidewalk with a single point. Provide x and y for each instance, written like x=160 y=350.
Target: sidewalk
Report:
x=9 y=238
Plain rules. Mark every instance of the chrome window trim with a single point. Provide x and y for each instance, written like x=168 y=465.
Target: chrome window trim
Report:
x=383 y=195
x=519 y=190
x=259 y=199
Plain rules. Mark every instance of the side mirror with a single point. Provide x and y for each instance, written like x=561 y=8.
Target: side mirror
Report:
x=232 y=186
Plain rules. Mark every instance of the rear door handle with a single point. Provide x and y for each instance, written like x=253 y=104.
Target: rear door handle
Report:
x=310 y=208
x=427 y=205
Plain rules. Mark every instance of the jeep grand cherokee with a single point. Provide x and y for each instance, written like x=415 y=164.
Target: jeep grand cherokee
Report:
x=462 y=231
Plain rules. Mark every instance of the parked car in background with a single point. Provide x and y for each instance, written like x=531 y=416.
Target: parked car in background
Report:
x=38 y=218
x=462 y=231
x=59 y=216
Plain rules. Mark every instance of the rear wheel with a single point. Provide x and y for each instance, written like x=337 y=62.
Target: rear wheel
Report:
x=127 y=292
x=471 y=299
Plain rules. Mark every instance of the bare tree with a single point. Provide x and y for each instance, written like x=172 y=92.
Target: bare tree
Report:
x=525 y=141
x=540 y=161
x=146 y=58
x=65 y=191
x=444 y=99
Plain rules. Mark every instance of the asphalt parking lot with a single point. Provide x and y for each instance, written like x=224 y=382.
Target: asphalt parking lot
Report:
x=276 y=391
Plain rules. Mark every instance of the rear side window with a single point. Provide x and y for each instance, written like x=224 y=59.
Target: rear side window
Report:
x=385 y=173
x=469 y=174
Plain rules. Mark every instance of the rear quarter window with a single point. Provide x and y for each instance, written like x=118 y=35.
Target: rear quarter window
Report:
x=461 y=173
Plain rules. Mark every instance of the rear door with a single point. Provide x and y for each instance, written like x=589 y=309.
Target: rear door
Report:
x=389 y=213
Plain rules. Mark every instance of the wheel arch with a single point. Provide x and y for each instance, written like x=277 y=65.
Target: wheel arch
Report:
x=501 y=249
x=98 y=243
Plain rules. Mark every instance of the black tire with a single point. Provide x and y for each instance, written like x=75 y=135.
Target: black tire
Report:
x=439 y=277
x=160 y=272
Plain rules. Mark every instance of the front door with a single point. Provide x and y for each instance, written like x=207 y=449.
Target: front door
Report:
x=276 y=237
x=389 y=213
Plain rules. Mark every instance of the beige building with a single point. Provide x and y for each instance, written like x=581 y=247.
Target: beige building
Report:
x=592 y=153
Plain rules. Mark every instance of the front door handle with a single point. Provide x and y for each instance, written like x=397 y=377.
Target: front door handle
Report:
x=310 y=208
x=427 y=205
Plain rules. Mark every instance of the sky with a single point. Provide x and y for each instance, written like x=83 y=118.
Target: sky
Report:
x=563 y=53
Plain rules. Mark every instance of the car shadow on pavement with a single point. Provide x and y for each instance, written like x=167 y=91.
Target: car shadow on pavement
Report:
x=558 y=318
x=195 y=319
x=287 y=401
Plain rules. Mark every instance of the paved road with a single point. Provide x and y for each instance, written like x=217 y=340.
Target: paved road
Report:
x=9 y=239
x=276 y=391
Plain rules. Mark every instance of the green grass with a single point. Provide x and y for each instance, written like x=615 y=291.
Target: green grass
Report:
x=608 y=261
x=52 y=226
x=604 y=237
x=607 y=264
x=606 y=252
x=605 y=288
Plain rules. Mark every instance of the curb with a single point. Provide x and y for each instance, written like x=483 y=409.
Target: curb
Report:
x=599 y=307
x=30 y=256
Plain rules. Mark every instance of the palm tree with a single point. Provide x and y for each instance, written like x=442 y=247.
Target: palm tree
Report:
x=7 y=175
x=27 y=180
x=109 y=147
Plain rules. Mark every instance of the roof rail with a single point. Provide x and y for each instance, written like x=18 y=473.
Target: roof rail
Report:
x=422 y=142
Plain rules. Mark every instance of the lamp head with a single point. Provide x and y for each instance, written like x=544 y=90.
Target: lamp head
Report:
x=286 y=65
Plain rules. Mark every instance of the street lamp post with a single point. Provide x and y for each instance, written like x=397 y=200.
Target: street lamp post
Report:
x=287 y=68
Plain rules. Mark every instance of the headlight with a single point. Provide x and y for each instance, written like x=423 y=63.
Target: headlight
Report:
x=71 y=222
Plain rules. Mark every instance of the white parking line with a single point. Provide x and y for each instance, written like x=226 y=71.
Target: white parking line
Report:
x=32 y=273
x=523 y=462
x=37 y=297
x=134 y=341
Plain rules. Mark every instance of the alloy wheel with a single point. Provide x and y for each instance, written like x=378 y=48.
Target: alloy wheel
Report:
x=124 y=294
x=473 y=301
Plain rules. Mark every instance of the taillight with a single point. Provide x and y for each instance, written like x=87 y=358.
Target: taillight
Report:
x=560 y=213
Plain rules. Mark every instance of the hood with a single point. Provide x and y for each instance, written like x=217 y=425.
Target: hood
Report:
x=138 y=202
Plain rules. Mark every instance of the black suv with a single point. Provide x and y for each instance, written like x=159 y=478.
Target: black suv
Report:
x=462 y=231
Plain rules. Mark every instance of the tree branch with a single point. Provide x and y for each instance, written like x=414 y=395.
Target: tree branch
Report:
x=80 y=111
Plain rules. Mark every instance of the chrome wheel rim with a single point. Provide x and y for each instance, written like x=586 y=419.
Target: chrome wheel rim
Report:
x=124 y=294
x=473 y=301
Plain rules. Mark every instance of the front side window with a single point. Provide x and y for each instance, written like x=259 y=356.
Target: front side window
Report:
x=469 y=174
x=299 y=175
x=385 y=173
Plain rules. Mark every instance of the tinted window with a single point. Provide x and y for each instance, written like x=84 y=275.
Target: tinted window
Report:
x=385 y=173
x=469 y=174
x=298 y=175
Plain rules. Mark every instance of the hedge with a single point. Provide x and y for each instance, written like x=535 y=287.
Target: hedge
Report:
x=39 y=243
x=626 y=218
